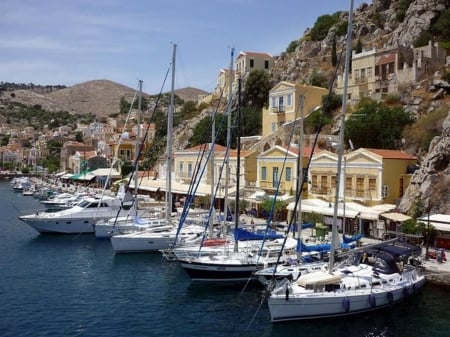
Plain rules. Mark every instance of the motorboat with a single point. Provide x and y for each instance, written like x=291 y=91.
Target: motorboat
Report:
x=80 y=218
x=64 y=200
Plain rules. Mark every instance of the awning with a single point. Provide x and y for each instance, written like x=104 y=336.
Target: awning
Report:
x=395 y=216
x=86 y=175
x=60 y=174
x=105 y=172
x=66 y=176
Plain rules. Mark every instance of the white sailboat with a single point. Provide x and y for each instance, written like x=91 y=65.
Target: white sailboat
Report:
x=354 y=288
x=155 y=238
x=236 y=261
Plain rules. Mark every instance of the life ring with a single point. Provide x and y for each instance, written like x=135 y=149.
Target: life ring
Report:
x=346 y=304
x=372 y=300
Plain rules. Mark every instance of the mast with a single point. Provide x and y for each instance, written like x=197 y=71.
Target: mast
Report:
x=300 y=171
x=170 y=140
x=138 y=146
x=348 y=46
x=238 y=163
x=227 y=159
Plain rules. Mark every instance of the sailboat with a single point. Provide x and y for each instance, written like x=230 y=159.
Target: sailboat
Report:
x=363 y=285
x=236 y=260
x=155 y=238
x=138 y=217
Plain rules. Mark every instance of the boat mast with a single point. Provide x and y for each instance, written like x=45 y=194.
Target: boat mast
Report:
x=348 y=46
x=238 y=162
x=227 y=159
x=138 y=147
x=170 y=140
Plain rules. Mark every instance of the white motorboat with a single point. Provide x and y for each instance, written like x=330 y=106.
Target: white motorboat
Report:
x=64 y=200
x=79 y=218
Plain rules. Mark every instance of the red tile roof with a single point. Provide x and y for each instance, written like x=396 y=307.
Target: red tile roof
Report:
x=393 y=154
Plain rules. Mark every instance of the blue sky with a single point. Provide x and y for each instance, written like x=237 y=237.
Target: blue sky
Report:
x=72 y=41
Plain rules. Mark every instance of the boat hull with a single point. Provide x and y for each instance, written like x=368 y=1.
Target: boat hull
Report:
x=132 y=243
x=69 y=221
x=204 y=272
x=62 y=226
x=316 y=305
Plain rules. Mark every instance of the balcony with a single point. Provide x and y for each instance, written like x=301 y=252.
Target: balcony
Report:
x=278 y=109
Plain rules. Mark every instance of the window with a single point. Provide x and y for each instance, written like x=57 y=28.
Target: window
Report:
x=363 y=74
x=288 y=174
x=275 y=177
x=189 y=169
x=372 y=184
x=348 y=185
x=252 y=63
x=369 y=72
x=263 y=173
x=324 y=184
x=274 y=126
x=289 y=100
x=266 y=64
x=281 y=103
x=333 y=182
x=274 y=102
x=359 y=187
x=181 y=168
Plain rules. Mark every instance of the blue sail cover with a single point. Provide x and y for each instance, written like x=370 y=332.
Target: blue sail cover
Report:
x=241 y=234
x=305 y=225
x=322 y=247
x=353 y=238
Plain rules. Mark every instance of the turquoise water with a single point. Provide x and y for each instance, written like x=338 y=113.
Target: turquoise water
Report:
x=76 y=286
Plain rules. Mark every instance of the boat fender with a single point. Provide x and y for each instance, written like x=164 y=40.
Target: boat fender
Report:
x=390 y=297
x=372 y=300
x=346 y=304
x=287 y=293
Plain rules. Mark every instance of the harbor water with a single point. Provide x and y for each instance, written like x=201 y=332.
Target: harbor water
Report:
x=75 y=285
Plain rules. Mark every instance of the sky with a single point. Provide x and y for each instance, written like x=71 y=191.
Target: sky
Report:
x=68 y=42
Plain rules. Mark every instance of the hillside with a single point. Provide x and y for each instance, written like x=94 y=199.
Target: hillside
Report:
x=99 y=97
x=381 y=23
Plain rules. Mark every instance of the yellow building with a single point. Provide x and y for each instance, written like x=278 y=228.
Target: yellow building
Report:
x=371 y=176
x=186 y=161
x=277 y=169
x=247 y=168
x=285 y=101
x=247 y=61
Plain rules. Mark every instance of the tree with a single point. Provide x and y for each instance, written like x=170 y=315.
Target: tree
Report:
x=318 y=79
x=333 y=53
x=376 y=125
x=442 y=26
x=251 y=119
x=257 y=88
x=322 y=25
x=359 y=47
x=202 y=131
x=79 y=136
x=125 y=168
